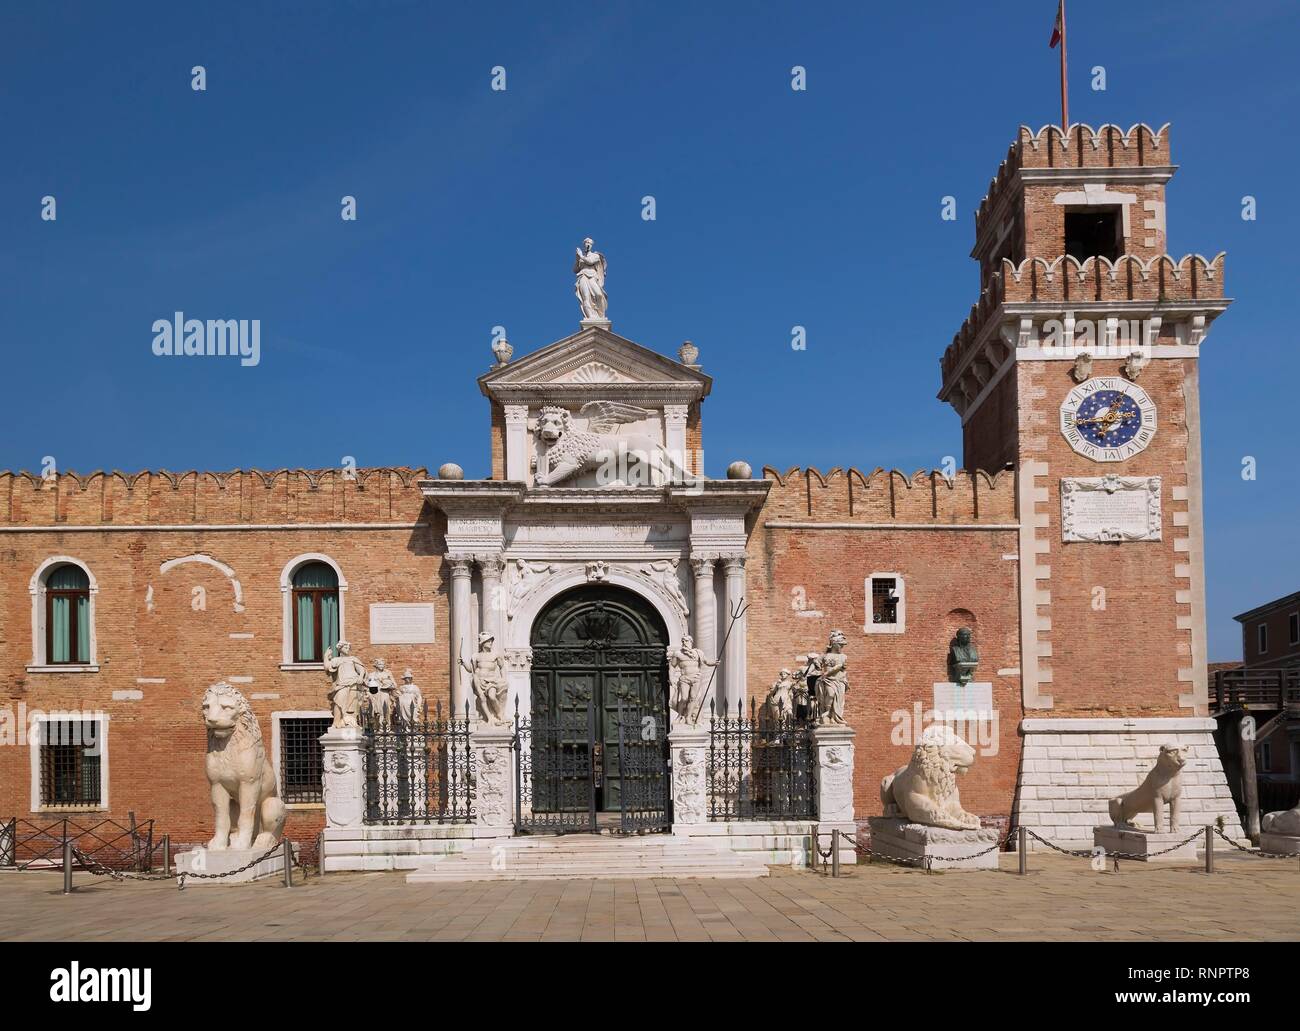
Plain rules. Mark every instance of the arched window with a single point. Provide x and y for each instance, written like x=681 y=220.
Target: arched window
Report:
x=67 y=615
x=315 y=611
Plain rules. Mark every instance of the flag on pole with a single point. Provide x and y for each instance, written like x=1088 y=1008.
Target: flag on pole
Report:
x=1058 y=30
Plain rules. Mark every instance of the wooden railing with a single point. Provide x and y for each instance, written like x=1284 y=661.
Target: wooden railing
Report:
x=1257 y=688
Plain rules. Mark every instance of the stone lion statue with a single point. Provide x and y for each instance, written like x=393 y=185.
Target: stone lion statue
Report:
x=925 y=790
x=1161 y=786
x=1284 y=821
x=635 y=459
x=244 y=791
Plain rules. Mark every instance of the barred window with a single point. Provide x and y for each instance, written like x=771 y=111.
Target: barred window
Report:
x=302 y=763
x=70 y=763
x=884 y=600
x=886 y=612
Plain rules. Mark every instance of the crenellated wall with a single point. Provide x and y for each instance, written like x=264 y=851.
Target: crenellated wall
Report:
x=890 y=496
x=212 y=498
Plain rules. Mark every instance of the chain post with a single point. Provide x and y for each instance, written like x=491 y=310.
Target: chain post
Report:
x=320 y=853
x=288 y=863
x=1209 y=848
x=1022 y=847
x=814 y=845
x=167 y=853
x=835 y=853
x=67 y=865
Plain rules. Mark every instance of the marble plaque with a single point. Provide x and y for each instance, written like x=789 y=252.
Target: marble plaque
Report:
x=1111 y=508
x=969 y=701
x=401 y=623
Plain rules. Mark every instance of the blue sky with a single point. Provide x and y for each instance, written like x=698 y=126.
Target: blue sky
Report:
x=774 y=209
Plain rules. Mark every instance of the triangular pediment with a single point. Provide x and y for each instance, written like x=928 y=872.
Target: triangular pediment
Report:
x=594 y=361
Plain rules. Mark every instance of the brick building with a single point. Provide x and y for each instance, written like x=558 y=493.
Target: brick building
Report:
x=1072 y=547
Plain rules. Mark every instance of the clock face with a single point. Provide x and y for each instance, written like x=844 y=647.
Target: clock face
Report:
x=1108 y=419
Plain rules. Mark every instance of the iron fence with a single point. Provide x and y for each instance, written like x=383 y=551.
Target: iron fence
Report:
x=33 y=845
x=761 y=765
x=419 y=766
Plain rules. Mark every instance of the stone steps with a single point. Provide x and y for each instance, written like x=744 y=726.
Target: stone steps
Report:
x=582 y=857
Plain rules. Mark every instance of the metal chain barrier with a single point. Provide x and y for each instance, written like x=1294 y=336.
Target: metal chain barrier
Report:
x=98 y=869
x=1258 y=853
x=926 y=861
x=1090 y=852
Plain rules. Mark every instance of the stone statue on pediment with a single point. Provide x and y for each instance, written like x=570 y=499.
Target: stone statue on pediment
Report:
x=589 y=266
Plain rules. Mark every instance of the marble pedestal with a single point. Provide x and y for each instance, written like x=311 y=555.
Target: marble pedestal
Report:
x=1282 y=844
x=1140 y=845
x=206 y=861
x=494 y=804
x=946 y=849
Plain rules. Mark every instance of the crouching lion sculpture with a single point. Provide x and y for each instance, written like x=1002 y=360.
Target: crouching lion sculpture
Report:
x=1161 y=786
x=925 y=790
x=244 y=791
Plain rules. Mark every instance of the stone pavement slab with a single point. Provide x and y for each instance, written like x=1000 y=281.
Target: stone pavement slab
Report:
x=1062 y=898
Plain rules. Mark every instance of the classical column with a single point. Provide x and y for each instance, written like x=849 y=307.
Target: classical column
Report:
x=493 y=601
x=461 y=648
x=706 y=632
x=734 y=659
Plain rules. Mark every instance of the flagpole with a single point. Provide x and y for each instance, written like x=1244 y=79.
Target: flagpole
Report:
x=1065 y=92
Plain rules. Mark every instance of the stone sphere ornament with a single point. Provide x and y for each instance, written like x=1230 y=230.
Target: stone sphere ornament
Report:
x=740 y=471
x=450 y=471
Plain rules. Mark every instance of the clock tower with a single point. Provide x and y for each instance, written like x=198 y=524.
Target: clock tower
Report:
x=1078 y=367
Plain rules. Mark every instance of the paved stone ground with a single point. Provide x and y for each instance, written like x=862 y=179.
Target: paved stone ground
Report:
x=1247 y=899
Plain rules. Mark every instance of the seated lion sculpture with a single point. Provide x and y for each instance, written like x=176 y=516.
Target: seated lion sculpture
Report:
x=925 y=790
x=1161 y=786
x=244 y=791
x=1285 y=821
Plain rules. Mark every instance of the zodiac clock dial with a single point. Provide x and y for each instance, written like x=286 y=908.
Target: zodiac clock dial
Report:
x=1108 y=419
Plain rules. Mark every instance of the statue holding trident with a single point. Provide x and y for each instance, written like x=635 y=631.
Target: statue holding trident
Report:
x=589 y=266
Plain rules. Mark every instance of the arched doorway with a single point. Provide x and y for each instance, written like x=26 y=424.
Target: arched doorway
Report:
x=598 y=650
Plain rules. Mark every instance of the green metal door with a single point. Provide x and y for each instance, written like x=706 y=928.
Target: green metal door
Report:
x=599 y=646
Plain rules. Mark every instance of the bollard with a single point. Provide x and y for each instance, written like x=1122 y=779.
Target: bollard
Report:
x=167 y=853
x=835 y=853
x=813 y=856
x=1022 y=847
x=288 y=863
x=1209 y=848
x=67 y=865
x=320 y=853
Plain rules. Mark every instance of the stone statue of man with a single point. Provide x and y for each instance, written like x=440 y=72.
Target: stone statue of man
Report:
x=780 y=699
x=589 y=266
x=347 y=676
x=962 y=658
x=685 y=679
x=488 y=680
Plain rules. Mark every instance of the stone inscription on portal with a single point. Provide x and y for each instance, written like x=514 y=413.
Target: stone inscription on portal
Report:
x=401 y=623
x=1110 y=509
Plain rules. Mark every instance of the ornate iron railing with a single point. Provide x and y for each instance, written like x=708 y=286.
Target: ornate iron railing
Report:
x=761 y=766
x=419 y=766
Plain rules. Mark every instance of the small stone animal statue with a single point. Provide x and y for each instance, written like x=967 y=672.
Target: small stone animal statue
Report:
x=244 y=790
x=1161 y=787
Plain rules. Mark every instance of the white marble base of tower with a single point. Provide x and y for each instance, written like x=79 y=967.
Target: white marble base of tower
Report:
x=937 y=847
x=1070 y=768
x=1142 y=846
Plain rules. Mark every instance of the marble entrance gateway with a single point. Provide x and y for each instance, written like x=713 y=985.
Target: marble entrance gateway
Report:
x=604 y=577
